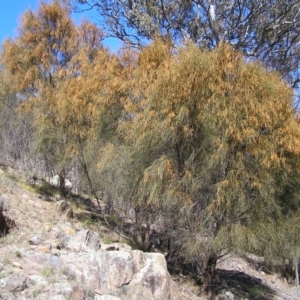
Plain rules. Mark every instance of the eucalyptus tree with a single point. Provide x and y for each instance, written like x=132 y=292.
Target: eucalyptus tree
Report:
x=262 y=29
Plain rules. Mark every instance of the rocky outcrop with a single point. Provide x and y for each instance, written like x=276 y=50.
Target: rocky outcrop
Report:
x=126 y=275
x=86 y=270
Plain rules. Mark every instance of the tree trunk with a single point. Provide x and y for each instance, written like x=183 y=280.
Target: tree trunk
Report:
x=209 y=272
x=62 y=186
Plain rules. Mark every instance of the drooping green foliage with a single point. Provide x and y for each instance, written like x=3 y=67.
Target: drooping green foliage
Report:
x=212 y=148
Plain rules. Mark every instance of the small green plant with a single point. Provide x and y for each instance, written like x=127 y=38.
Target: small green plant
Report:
x=255 y=292
x=27 y=187
x=106 y=240
x=114 y=220
x=65 y=271
x=6 y=274
x=87 y=222
x=46 y=189
x=13 y=177
x=47 y=271
x=35 y=293
x=18 y=254
x=6 y=260
x=91 y=220
x=90 y=294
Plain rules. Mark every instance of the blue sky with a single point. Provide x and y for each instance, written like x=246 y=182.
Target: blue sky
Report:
x=12 y=10
x=10 y=14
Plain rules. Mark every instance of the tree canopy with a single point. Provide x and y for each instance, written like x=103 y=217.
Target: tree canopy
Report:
x=213 y=150
x=261 y=29
x=60 y=71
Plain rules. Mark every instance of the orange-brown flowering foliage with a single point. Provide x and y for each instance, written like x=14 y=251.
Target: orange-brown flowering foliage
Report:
x=211 y=147
x=61 y=72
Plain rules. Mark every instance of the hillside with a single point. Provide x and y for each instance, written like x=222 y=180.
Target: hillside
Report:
x=38 y=255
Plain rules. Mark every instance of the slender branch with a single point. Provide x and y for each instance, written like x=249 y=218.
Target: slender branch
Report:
x=86 y=171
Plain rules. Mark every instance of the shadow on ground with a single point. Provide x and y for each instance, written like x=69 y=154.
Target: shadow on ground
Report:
x=241 y=285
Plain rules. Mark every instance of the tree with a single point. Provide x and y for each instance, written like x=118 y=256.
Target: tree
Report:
x=119 y=166
x=265 y=30
x=212 y=149
x=34 y=63
x=60 y=71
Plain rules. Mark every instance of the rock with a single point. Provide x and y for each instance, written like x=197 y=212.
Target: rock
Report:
x=37 y=280
x=59 y=232
x=226 y=295
x=152 y=281
x=36 y=240
x=17 y=264
x=77 y=294
x=83 y=240
x=14 y=283
x=68 y=230
x=57 y=297
x=106 y=297
x=38 y=260
x=46 y=248
x=262 y=273
x=9 y=191
x=55 y=181
x=34 y=203
x=229 y=295
x=57 y=291
x=133 y=274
